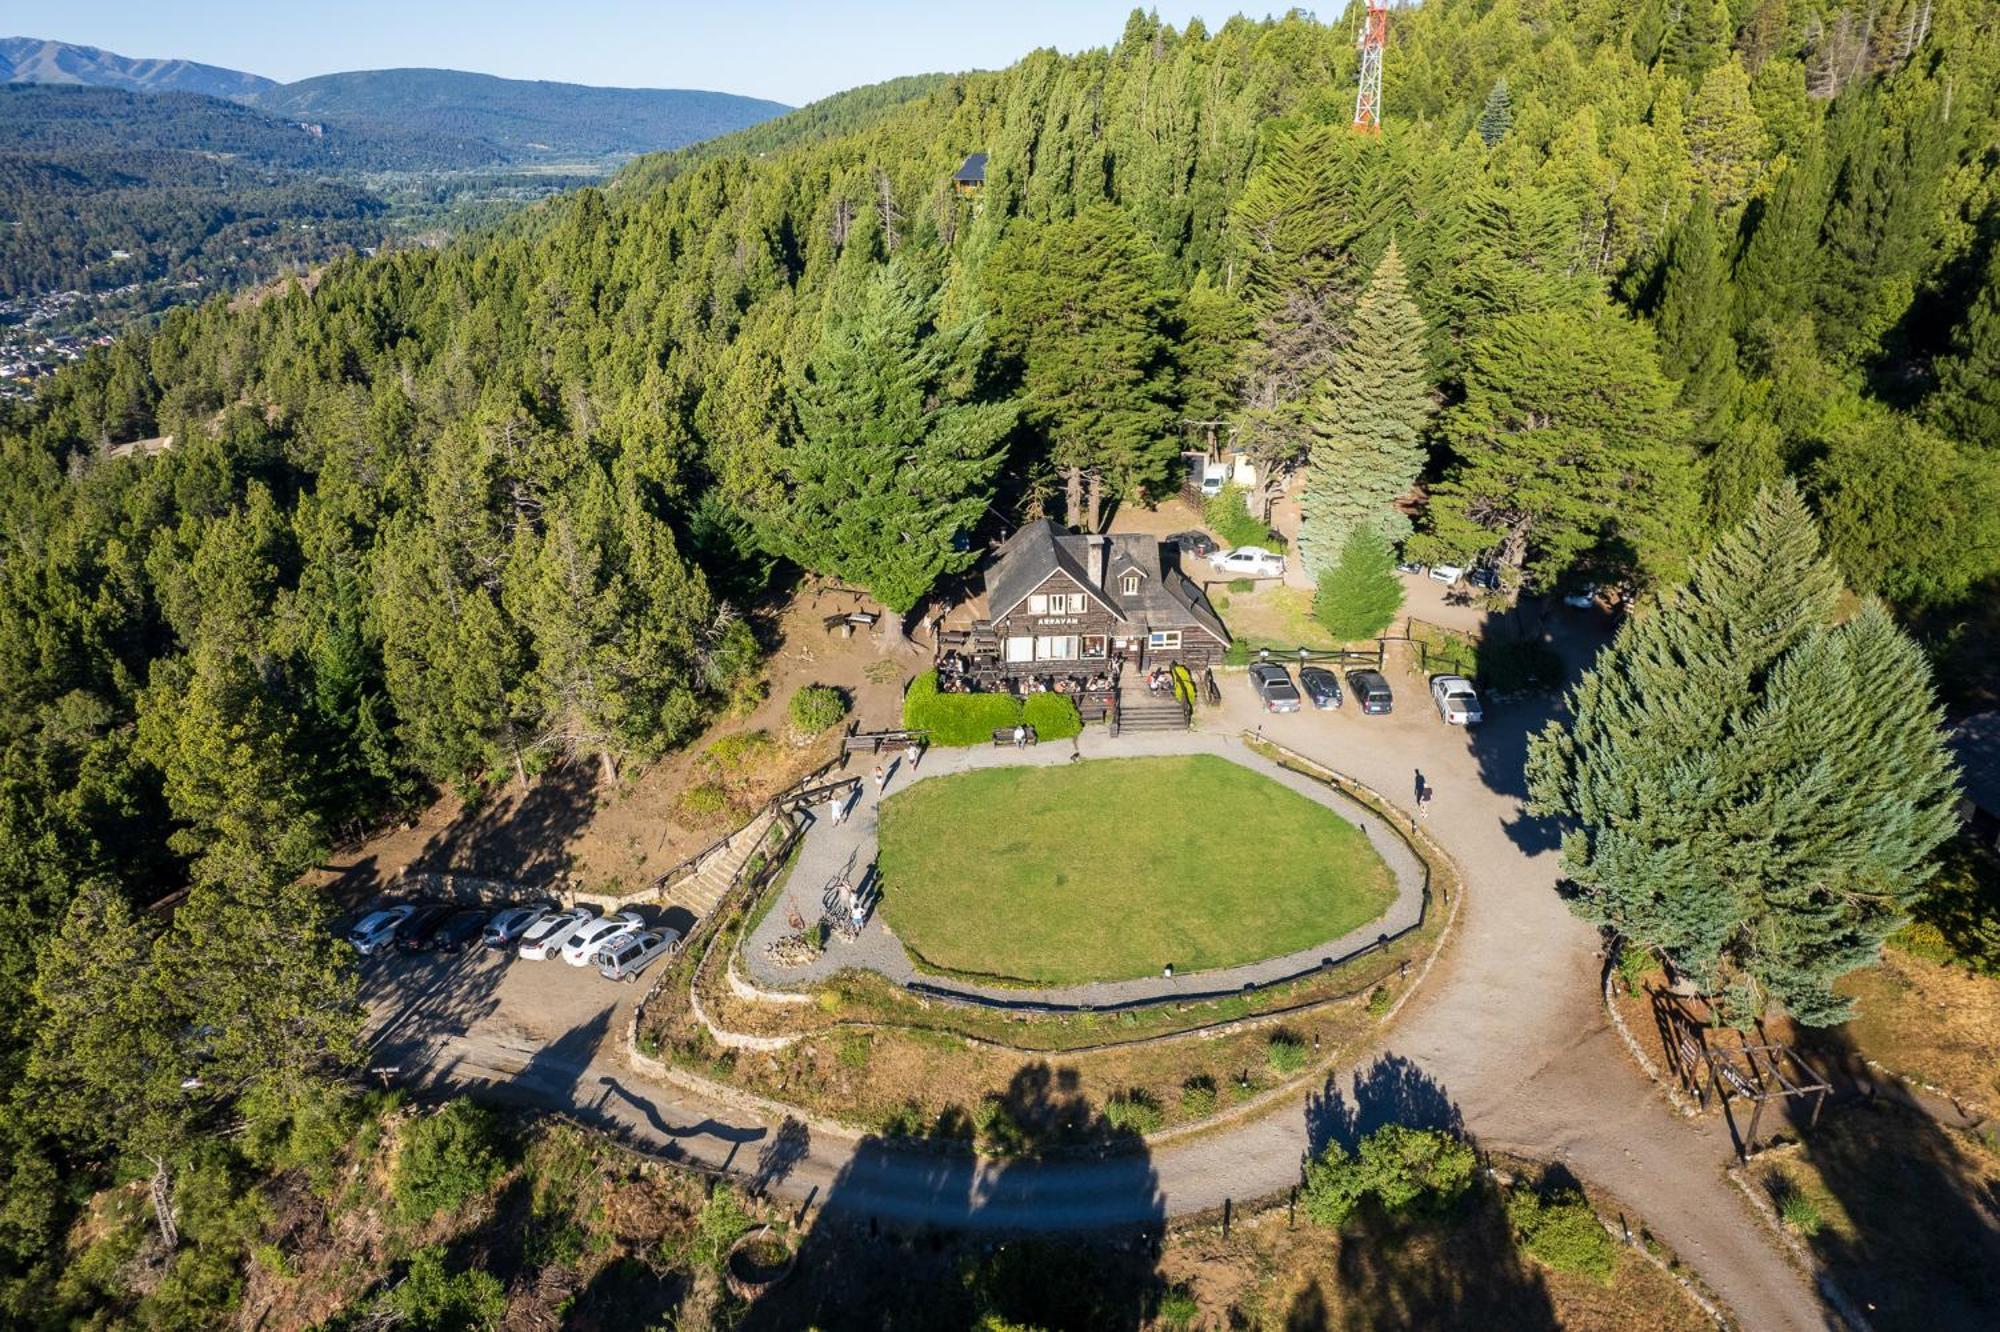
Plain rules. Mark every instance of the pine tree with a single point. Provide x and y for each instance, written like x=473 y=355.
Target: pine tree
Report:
x=1774 y=272
x=1698 y=40
x=1726 y=139
x=1749 y=798
x=1367 y=422
x=1567 y=441
x=1081 y=310
x=1967 y=400
x=1692 y=317
x=892 y=463
x=1359 y=597
x=1498 y=115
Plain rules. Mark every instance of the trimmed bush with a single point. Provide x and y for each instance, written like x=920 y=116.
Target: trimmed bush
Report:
x=815 y=707
x=1053 y=716
x=957 y=719
x=447 y=1158
x=1230 y=519
x=1133 y=1112
x=1403 y=1169
x=1562 y=1231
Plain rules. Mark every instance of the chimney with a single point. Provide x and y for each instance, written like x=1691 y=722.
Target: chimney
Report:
x=1098 y=561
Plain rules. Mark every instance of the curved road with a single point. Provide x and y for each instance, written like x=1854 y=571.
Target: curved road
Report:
x=1509 y=1030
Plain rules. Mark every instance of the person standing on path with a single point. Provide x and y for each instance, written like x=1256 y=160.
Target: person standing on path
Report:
x=1424 y=800
x=833 y=805
x=881 y=779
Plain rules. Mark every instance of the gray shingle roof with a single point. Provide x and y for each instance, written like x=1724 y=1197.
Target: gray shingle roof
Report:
x=1975 y=743
x=1165 y=599
x=973 y=172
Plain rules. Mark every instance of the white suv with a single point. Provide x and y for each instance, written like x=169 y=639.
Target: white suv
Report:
x=377 y=930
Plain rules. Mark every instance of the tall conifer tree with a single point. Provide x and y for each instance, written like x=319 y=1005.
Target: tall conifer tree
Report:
x=1967 y=401
x=1367 y=423
x=1497 y=117
x=892 y=461
x=1754 y=787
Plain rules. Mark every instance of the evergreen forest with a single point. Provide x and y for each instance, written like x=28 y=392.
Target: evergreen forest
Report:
x=1611 y=271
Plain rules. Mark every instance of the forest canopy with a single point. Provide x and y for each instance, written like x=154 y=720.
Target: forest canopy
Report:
x=448 y=516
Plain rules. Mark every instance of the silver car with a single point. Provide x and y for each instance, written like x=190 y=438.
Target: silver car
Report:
x=377 y=930
x=629 y=954
x=507 y=927
x=1457 y=701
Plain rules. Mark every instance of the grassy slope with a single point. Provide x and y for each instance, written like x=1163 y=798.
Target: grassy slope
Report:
x=1100 y=871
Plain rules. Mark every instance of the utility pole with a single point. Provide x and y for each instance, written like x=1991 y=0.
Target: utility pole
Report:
x=1368 y=97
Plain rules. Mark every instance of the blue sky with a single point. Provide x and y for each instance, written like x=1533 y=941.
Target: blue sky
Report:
x=791 y=52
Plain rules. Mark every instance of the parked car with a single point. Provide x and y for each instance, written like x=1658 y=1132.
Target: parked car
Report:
x=1371 y=691
x=416 y=935
x=541 y=940
x=1409 y=567
x=625 y=957
x=1321 y=685
x=377 y=930
x=1457 y=701
x=1582 y=598
x=1446 y=573
x=1198 y=544
x=461 y=929
x=1486 y=578
x=1274 y=687
x=1248 y=562
x=581 y=944
x=507 y=927
x=1214 y=476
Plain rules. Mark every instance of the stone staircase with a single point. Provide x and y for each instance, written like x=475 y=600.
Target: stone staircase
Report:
x=701 y=890
x=1141 y=710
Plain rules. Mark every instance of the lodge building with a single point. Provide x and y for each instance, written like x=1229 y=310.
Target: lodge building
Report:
x=1067 y=604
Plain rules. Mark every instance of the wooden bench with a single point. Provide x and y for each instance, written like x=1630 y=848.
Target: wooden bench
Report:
x=1003 y=736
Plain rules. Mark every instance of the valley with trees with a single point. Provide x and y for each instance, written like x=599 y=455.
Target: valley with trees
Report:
x=1695 y=305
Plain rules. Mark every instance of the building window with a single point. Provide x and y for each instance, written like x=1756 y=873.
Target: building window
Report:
x=1055 y=647
x=1130 y=587
x=1096 y=647
x=1021 y=648
x=1038 y=605
x=1165 y=638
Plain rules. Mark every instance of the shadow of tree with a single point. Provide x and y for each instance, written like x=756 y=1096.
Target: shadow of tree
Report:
x=862 y=1264
x=517 y=836
x=1392 y=1090
x=1923 y=1247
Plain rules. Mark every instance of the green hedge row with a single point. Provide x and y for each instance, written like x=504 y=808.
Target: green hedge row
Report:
x=971 y=719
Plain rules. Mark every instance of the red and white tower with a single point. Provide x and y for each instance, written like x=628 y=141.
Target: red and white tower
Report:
x=1368 y=98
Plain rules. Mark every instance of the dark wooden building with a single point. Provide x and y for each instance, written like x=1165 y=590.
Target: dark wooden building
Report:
x=1060 y=603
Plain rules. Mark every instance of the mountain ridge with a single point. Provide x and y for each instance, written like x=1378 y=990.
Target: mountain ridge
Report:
x=45 y=60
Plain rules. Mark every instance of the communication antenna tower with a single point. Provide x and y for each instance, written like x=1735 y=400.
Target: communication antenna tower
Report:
x=1368 y=98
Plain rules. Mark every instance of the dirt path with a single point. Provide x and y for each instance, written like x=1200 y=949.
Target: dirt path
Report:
x=1510 y=1038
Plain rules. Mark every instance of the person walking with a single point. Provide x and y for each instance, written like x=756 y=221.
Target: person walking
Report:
x=833 y=808
x=881 y=779
x=1424 y=800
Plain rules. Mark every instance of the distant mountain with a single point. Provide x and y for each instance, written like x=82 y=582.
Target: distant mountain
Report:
x=430 y=118
x=523 y=120
x=32 y=60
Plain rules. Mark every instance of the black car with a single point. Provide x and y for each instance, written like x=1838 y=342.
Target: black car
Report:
x=1198 y=544
x=461 y=929
x=1322 y=686
x=420 y=929
x=1274 y=687
x=1371 y=690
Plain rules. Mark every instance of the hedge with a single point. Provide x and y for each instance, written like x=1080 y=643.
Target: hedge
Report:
x=971 y=719
x=957 y=719
x=1054 y=716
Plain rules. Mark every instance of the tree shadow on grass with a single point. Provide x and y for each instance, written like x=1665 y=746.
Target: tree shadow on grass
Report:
x=916 y=1232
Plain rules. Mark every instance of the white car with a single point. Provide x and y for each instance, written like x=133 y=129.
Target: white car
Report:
x=505 y=929
x=377 y=930
x=582 y=945
x=1446 y=573
x=552 y=931
x=1582 y=598
x=1457 y=701
x=1248 y=562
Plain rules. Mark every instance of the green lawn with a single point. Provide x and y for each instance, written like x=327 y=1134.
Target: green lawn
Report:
x=1110 y=869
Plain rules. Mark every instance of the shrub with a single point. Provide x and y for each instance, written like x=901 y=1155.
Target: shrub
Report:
x=1053 y=716
x=957 y=719
x=430 y=1297
x=1379 y=1000
x=854 y=1049
x=702 y=803
x=1178 y=1309
x=1403 y=1169
x=1227 y=516
x=1562 y=1231
x=721 y=1223
x=446 y=1158
x=815 y=707
x=1361 y=594
x=1800 y=1212
x=736 y=751
x=1133 y=1112
x=1198 y=1097
x=1286 y=1053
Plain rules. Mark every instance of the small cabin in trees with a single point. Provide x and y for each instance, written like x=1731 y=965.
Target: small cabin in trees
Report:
x=970 y=177
x=1063 y=604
